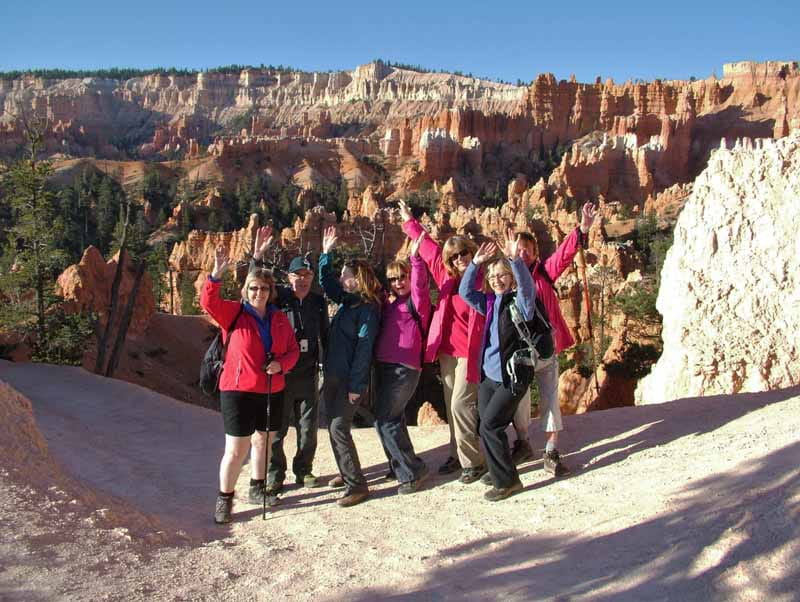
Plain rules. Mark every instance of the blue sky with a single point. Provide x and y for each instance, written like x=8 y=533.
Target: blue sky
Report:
x=509 y=40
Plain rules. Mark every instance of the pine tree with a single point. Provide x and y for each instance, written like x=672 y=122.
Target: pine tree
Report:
x=32 y=259
x=107 y=214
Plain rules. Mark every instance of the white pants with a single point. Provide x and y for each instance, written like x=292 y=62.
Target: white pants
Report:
x=549 y=410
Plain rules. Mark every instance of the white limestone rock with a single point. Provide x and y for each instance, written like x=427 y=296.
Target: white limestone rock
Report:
x=730 y=293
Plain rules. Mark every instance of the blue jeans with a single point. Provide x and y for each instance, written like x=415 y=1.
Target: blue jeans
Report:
x=395 y=387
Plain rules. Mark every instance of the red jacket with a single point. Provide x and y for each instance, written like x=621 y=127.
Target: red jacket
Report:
x=448 y=285
x=555 y=266
x=246 y=357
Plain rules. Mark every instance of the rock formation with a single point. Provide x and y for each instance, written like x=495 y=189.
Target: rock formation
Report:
x=86 y=287
x=730 y=293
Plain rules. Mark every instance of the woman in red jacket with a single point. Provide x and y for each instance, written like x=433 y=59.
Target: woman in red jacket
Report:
x=454 y=338
x=261 y=349
x=545 y=273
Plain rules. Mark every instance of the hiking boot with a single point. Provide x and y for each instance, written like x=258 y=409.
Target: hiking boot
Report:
x=222 y=511
x=487 y=480
x=258 y=491
x=336 y=482
x=495 y=494
x=351 y=498
x=521 y=452
x=309 y=481
x=553 y=464
x=274 y=488
x=450 y=465
x=470 y=475
x=413 y=486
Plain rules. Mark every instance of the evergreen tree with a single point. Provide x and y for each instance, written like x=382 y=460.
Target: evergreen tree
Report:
x=107 y=213
x=32 y=259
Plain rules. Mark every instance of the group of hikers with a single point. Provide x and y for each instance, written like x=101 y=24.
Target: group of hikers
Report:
x=496 y=327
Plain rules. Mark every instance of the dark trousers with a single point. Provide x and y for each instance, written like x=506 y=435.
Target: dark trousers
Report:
x=496 y=407
x=339 y=412
x=395 y=386
x=300 y=410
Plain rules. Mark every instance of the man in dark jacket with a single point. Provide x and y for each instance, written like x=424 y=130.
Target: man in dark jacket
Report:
x=308 y=314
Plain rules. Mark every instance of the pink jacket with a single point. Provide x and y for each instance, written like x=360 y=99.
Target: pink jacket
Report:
x=555 y=266
x=431 y=253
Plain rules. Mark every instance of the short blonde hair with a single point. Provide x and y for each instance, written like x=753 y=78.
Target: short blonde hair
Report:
x=265 y=276
x=501 y=264
x=454 y=245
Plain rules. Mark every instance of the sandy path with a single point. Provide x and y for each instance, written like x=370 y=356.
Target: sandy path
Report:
x=696 y=499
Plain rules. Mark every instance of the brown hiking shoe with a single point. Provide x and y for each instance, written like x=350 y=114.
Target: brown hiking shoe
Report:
x=495 y=494
x=351 y=498
x=336 y=482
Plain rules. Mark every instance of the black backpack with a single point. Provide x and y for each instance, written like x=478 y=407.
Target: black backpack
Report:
x=214 y=359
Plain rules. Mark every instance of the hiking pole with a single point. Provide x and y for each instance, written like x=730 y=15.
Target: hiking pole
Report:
x=266 y=447
x=588 y=302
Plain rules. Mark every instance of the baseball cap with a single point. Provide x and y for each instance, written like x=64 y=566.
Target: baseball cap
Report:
x=299 y=263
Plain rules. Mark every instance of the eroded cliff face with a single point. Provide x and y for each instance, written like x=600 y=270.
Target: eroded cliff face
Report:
x=448 y=125
x=730 y=293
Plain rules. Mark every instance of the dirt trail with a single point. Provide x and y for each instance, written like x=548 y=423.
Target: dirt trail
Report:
x=695 y=499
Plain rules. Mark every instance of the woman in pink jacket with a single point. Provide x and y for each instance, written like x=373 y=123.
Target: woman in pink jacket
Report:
x=545 y=273
x=398 y=365
x=261 y=349
x=454 y=338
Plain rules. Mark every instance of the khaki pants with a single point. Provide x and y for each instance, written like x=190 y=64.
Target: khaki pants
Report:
x=461 y=402
x=549 y=410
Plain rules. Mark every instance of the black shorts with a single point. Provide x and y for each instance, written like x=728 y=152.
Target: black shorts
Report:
x=244 y=413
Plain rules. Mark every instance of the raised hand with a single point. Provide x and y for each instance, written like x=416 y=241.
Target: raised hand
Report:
x=262 y=242
x=485 y=252
x=512 y=247
x=588 y=213
x=413 y=249
x=221 y=262
x=329 y=239
x=405 y=212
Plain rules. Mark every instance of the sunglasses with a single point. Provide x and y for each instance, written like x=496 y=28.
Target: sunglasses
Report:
x=461 y=253
x=397 y=278
x=255 y=289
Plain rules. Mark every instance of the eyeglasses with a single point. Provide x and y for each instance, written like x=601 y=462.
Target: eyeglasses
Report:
x=499 y=276
x=255 y=289
x=461 y=253
x=400 y=278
